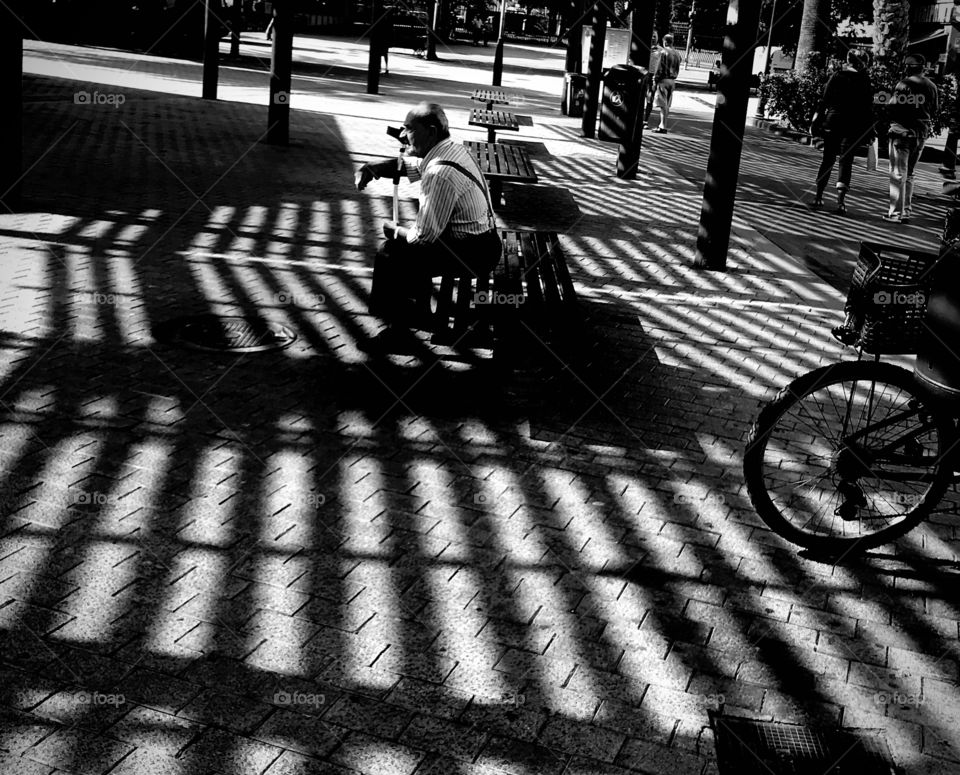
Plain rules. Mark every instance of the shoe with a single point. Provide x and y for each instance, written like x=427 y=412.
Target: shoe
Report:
x=817 y=203
x=841 y=209
x=660 y=130
x=893 y=218
x=947 y=172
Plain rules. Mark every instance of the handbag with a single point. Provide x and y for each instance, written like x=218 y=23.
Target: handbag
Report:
x=872 y=150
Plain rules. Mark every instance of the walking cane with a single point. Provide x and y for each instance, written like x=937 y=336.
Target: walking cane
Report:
x=396 y=190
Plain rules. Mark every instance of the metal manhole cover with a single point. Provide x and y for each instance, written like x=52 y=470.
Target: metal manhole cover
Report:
x=748 y=747
x=213 y=333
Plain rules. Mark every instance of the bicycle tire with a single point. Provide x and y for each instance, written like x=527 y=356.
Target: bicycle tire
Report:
x=882 y=386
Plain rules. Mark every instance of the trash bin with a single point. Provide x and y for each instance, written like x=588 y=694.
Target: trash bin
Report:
x=574 y=94
x=623 y=98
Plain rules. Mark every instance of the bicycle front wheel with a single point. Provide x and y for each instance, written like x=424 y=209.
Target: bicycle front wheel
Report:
x=848 y=457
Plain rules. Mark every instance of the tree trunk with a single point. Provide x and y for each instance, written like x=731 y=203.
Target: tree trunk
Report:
x=891 y=30
x=815 y=28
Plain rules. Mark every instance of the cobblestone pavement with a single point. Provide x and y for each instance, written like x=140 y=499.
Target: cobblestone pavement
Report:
x=314 y=561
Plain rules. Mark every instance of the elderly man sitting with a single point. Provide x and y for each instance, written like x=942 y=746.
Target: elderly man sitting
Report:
x=455 y=232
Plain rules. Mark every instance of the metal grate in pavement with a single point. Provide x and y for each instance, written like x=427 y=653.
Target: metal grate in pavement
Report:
x=748 y=747
x=228 y=334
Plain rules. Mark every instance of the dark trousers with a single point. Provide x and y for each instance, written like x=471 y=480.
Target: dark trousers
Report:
x=403 y=272
x=836 y=145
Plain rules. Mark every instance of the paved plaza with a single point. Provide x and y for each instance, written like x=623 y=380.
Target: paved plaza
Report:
x=315 y=560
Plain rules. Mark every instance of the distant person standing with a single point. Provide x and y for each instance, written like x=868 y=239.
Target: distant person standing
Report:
x=913 y=105
x=655 y=51
x=845 y=121
x=668 y=68
x=385 y=37
x=477 y=26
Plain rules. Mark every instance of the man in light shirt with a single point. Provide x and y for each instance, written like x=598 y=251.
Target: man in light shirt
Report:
x=665 y=78
x=455 y=231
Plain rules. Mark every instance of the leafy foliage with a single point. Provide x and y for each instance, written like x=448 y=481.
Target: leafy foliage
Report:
x=794 y=95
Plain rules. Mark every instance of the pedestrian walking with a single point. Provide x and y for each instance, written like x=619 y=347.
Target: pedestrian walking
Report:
x=913 y=106
x=844 y=119
x=655 y=51
x=668 y=68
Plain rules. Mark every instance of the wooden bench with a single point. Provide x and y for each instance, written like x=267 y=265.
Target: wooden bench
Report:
x=500 y=162
x=490 y=97
x=530 y=286
x=493 y=120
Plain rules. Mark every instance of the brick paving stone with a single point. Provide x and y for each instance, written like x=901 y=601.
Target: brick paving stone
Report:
x=659 y=760
x=291 y=763
x=367 y=754
x=579 y=739
x=457 y=740
x=224 y=710
x=23 y=766
x=20 y=731
x=149 y=729
x=514 y=756
x=221 y=751
x=80 y=752
x=367 y=715
x=302 y=733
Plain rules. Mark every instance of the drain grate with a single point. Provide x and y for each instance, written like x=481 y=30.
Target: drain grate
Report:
x=748 y=747
x=213 y=333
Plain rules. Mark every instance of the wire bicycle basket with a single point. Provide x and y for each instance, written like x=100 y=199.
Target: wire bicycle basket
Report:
x=887 y=299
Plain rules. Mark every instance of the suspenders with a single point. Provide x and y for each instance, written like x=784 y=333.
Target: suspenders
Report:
x=486 y=193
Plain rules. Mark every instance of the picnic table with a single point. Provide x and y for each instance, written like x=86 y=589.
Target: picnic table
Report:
x=493 y=120
x=499 y=163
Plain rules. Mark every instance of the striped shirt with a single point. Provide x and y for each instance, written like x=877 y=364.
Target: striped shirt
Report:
x=448 y=198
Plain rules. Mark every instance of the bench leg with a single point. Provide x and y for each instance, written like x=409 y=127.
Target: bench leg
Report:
x=491 y=135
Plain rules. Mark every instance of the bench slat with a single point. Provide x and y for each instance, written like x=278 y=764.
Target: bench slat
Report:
x=532 y=267
x=559 y=262
x=551 y=291
x=531 y=270
x=506 y=162
x=464 y=293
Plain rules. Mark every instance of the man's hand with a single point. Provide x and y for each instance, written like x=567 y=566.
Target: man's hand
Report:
x=364 y=175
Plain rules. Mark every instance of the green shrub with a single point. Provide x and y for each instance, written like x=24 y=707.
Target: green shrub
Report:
x=794 y=96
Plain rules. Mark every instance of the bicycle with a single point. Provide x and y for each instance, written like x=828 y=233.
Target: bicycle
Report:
x=853 y=455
